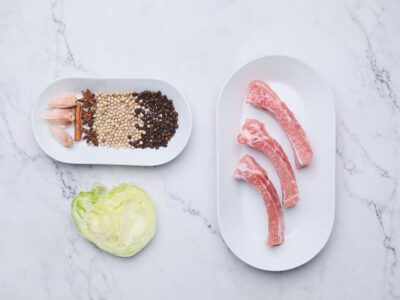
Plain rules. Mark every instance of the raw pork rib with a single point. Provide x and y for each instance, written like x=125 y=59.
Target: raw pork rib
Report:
x=251 y=172
x=254 y=134
x=262 y=96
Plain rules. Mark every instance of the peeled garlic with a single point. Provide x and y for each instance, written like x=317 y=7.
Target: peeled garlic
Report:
x=61 y=136
x=61 y=115
x=64 y=100
x=60 y=123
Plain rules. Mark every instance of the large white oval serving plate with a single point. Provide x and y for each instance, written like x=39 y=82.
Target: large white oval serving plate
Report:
x=241 y=212
x=81 y=153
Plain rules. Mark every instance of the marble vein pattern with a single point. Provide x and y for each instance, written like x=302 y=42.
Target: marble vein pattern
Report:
x=354 y=45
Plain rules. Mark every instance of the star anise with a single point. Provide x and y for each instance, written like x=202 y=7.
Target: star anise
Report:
x=90 y=136
x=88 y=94
x=89 y=99
x=88 y=118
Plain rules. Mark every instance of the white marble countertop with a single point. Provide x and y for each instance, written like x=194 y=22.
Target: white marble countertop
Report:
x=195 y=45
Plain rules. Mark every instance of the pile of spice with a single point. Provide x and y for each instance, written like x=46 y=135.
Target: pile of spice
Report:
x=116 y=119
x=134 y=120
x=84 y=118
x=116 y=122
x=160 y=120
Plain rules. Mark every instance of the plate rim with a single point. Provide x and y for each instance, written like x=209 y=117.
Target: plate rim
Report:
x=66 y=161
x=332 y=102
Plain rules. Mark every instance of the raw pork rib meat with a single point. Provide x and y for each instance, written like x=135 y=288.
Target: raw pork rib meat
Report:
x=262 y=96
x=254 y=134
x=251 y=172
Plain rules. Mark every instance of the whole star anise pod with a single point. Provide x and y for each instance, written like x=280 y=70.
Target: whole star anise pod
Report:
x=90 y=136
x=88 y=118
x=89 y=99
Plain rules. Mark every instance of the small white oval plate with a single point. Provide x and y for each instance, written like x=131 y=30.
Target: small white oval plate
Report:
x=81 y=153
x=241 y=213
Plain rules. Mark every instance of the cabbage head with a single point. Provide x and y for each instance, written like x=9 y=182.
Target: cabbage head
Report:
x=121 y=221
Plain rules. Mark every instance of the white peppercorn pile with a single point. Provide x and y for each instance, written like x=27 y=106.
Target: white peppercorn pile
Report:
x=115 y=120
x=134 y=120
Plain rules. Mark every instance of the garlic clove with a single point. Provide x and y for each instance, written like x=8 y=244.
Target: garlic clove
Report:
x=60 y=123
x=61 y=136
x=60 y=114
x=64 y=100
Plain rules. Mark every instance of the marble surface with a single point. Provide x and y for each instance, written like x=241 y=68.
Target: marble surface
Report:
x=195 y=45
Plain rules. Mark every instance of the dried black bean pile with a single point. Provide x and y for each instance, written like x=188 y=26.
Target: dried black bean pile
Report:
x=159 y=117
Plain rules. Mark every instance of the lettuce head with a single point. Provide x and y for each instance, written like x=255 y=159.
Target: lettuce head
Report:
x=121 y=221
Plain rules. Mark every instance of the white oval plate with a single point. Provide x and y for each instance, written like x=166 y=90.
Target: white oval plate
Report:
x=241 y=213
x=83 y=154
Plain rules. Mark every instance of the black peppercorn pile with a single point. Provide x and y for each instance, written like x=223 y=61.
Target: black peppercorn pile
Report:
x=159 y=117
